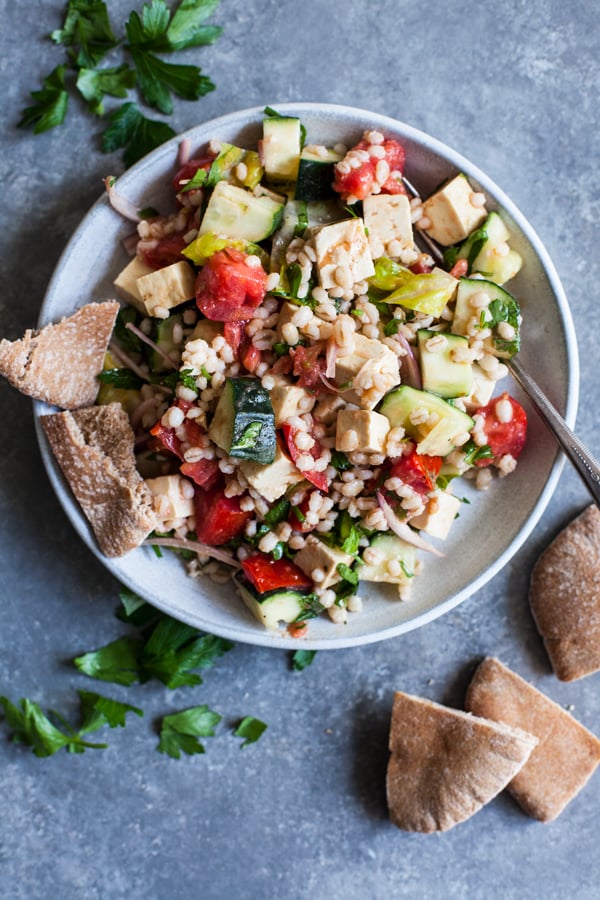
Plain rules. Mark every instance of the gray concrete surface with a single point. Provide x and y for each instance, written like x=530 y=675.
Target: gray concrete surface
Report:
x=301 y=814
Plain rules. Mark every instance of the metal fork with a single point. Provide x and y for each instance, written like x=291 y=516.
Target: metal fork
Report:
x=581 y=458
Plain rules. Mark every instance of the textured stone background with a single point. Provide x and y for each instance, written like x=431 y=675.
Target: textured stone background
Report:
x=301 y=814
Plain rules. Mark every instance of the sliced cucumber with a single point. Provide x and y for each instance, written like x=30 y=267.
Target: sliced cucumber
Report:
x=481 y=250
x=440 y=372
x=315 y=173
x=280 y=147
x=435 y=439
x=236 y=213
x=227 y=158
x=503 y=307
x=390 y=548
x=272 y=607
x=244 y=422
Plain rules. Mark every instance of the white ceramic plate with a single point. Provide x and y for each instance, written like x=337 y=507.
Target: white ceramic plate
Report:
x=496 y=523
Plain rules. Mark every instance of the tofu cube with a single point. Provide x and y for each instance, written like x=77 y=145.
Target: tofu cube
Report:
x=451 y=213
x=286 y=312
x=387 y=219
x=273 y=480
x=288 y=399
x=126 y=284
x=317 y=555
x=327 y=408
x=483 y=388
x=371 y=429
x=168 y=287
x=370 y=371
x=438 y=516
x=343 y=244
x=171 y=494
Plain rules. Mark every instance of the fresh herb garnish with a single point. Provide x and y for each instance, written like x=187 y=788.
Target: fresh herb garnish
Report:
x=278 y=513
x=473 y=452
x=391 y=328
x=120 y=378
x=130 y=129
x=180 y=731
x=250 y=729
x=95 y=84
x=87 y=32
x=301 y=659
x=51 y=103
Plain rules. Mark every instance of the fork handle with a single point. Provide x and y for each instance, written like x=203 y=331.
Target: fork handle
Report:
x=579 y=455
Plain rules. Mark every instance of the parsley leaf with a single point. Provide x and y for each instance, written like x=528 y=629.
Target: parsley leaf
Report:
x=180 y=731
x=116 y=662
x=186 y=28
x=86 y=27
x=51 y=102
x=130 y=129
x=30 y=726
x=94 y=84
x=120 y=378
x=302 y=658
x=250 y=729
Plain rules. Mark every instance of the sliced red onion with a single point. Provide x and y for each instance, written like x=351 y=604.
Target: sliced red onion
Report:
x=146 y=340
x=120 y=203
x=126 y=360
x=402 y=529
x=409 y=367
x=130 y=243
x=196 y=547
x=185 y=150
x=331 y=357
x=328 y=384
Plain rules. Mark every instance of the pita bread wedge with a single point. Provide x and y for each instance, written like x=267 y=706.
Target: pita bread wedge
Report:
x=565 y=597
x=446 y=764
x=59 y=364
x=566 y=755
x=94 y=448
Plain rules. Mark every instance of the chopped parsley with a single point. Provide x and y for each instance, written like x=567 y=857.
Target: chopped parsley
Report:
x=179 y=732
x=250 y=729
x=301 y=659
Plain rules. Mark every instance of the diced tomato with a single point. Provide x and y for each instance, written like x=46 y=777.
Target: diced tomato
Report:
x=268 y=574
x=308 y=363
x=204 y=472
x=219 y=519
x=359 y=181
x=417 y=470
x=297 y=520
x=228 y=289
x=167 y=251
x=189 y=169
x=422 y=266
x=503 y=437
x=319 y=479
x=250 y=357
x=233 y=332
x=460 y=268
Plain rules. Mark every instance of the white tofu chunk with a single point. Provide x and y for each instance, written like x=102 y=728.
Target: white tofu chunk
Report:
x=371 y=429
x=272 y=480
x=483 y=388
x=126 y=284
x=370 y=371
x=387 y=219
x=168 y=287
x=288 y=399
x=343 y=244
x=327 y=408
x=451 y=213
x=437 y=518
x=171 y=492
x=286 y=312
x=317 y=555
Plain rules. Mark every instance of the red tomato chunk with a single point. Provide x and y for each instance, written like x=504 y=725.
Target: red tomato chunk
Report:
x=219 y=519
x=166 y=252
x=503 y=437
x=360 y=180
x=417 y=470
x=268 y=574
x=228 y=289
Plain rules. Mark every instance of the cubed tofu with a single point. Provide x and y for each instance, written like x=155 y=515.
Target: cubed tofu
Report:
x=288 y=399
x=327 y=408
x=317 y=555
x=451 y=213
x=438 y=516
x=273 y=480
x=387 y=219
x=371 y=429
x=171 y=495
x=286 y=312
x=168 y=287
x=370 y=371
x=483 y=388
x=126 y=284
x=343 y=244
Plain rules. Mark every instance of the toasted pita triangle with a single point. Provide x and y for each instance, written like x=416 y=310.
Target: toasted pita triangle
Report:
x=59 y=364
x=446 y=764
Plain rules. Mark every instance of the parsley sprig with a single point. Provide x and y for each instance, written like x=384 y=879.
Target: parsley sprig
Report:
x=87 y=35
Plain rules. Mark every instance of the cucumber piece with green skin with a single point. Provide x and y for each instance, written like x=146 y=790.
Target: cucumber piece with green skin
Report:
x=244 y=422
x=235 y=212
x=432 y=439
x=273 y=607
x=481 y=251
x=503 y=307
x=440 y=372
x=163 y=338
x=227 y=158
x=315 y=174
x=280 y=147
x=390 y=547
